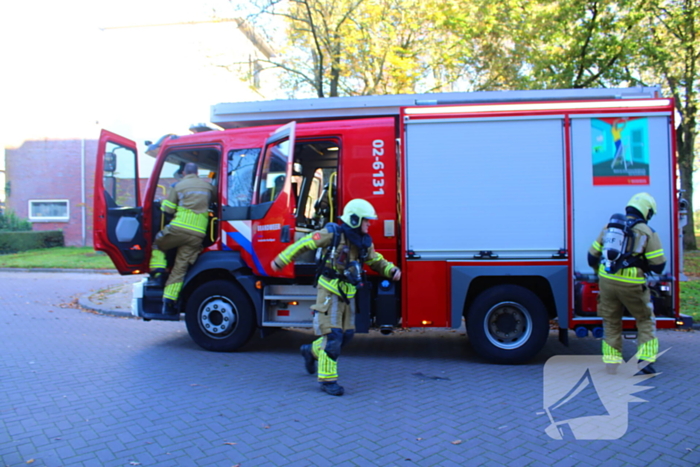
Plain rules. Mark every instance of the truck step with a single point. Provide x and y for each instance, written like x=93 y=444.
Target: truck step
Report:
x=288 y=324
x=290 y=297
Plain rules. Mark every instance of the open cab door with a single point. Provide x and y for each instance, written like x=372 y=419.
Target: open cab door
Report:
x=118 y=213
x=272 y=215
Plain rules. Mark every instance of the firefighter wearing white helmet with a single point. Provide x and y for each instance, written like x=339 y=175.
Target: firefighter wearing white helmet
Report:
x=346 y=248
x=623 y=283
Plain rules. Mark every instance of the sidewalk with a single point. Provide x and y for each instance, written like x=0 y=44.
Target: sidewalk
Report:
x=114 y=300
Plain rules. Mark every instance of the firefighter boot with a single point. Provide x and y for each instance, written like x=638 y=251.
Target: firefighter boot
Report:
x=309 y=360
x=645 y=367
x=333 y=388
x=157 y=278
x=611 y=368
x=169 y=307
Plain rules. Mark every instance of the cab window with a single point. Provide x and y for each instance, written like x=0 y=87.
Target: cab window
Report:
x=241 y=176
x=274 y=172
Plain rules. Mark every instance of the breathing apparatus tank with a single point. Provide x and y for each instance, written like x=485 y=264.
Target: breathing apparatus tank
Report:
x=614 y=241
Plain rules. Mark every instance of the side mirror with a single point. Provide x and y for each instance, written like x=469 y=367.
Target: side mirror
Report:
x=110 y=162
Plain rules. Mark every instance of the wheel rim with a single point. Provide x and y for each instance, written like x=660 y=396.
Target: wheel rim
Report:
x=508 y=325
x=217 y=317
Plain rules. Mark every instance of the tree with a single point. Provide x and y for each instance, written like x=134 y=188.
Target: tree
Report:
x=589 y=43
x=672 y=52
x=536 y=44
x=346 y=47
x=358 y=47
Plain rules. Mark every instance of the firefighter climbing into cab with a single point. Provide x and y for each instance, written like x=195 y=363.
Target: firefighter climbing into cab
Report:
x=189 y=201
x=346 y=248
x=625 y=251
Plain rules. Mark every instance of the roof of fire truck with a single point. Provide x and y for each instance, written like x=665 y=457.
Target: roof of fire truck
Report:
x=247 y=114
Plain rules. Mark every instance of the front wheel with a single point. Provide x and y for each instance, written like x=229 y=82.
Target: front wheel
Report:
x=507 y=324
x=219 y=316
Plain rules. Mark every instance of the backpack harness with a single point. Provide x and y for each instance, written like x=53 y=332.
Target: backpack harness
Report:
x=618 y=241
x=353 y=271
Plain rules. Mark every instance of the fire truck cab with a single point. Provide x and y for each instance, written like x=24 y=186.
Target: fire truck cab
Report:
x=487 y=201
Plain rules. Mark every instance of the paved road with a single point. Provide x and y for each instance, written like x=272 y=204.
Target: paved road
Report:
x=83 y=389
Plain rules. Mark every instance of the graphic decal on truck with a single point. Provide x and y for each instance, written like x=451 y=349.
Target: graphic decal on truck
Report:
x=620 y=149
x=238 y=234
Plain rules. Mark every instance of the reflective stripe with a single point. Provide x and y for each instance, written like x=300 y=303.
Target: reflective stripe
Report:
x=379 y=257
x=654 y=254
x=627 y=275
x=597 y=246
x=172 y=291
x=611 y=354
x=191 y=221
x=291 y=251
x=648 y=350
x=318 y=345
x=169 y=204
x=327 y=367
x=334 y=285
x=157 y=260
x=388 y=269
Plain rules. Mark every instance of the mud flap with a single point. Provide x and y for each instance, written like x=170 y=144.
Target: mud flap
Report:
x=363 y=305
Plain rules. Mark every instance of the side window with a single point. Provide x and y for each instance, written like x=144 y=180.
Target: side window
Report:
x=241 y=176
x=119 y=176
x=274 y=172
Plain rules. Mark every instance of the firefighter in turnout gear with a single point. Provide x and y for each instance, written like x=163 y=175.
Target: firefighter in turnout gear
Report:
x=189 y=201
x=345 y=249
x=623 y=284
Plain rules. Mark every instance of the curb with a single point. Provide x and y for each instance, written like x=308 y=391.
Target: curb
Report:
x=85 y=302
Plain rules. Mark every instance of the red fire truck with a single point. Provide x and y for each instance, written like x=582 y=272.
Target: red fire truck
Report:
x=487 y=201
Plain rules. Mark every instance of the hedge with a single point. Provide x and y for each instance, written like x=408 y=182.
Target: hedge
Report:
x=12 y=242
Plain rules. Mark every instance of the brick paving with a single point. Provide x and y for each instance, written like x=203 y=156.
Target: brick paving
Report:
x=82 y=389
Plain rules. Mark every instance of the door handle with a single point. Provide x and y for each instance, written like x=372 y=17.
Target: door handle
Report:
x=284 y=234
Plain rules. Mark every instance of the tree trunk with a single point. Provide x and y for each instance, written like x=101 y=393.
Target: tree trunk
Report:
x=685 y=139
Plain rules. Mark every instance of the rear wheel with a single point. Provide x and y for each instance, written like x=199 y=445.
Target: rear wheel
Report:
x=508 y=324
x=219 y=316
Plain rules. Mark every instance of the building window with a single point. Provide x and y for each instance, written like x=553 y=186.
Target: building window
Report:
x=49 y=210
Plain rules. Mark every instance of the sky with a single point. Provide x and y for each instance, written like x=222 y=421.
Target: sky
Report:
x=66 y=74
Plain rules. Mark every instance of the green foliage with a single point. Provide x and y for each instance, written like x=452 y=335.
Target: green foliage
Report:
x=669 y=54
x=352 y=47
x=690 y=291
x=690 y=299
x=359 y=47
x=10 y=221
x=11 y=242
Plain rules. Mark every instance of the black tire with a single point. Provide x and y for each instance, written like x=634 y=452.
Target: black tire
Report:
x=219 y=316
x=507 y=324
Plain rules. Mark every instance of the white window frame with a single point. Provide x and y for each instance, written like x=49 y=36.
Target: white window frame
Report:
x=65 y=218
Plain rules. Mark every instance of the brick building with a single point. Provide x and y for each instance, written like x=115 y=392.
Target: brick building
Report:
x=50 y=182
